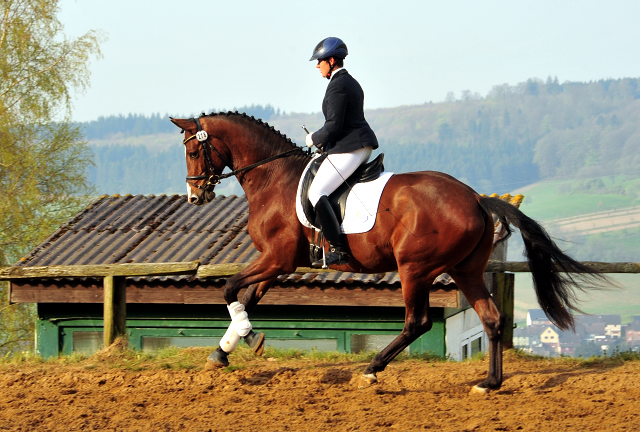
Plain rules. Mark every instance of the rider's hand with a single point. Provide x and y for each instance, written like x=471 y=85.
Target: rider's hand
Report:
x=309 y=141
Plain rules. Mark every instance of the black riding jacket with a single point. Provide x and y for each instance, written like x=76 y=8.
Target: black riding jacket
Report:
x=345 y=128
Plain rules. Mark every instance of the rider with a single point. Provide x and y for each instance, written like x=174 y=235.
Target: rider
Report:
x=346 y=137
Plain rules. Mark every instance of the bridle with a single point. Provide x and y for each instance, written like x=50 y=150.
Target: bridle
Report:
x=213 y=179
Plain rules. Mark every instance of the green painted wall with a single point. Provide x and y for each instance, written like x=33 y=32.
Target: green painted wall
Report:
x=60 y=324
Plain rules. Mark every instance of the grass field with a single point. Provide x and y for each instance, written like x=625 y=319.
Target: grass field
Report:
x=548 y=201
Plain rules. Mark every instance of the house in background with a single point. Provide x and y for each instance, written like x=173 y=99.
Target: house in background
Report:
x=528 y=338
x=609 y=326
x=569 y=341
x=632 y=333
x=543 y=338
x=549 y=336
x=537 y=317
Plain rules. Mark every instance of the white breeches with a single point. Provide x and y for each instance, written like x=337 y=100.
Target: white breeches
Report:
x=335 y=169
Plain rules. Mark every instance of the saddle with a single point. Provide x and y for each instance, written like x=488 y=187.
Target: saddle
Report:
x=338 y=199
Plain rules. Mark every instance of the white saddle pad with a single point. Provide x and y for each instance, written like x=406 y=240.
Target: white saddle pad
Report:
x=362 y=205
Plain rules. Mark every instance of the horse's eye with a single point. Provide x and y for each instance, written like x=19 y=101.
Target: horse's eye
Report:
x=193 y=155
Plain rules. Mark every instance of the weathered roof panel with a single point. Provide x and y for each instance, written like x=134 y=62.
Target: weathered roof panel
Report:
x=146 y=229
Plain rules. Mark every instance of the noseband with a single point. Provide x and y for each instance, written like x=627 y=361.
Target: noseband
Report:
x=213 y=179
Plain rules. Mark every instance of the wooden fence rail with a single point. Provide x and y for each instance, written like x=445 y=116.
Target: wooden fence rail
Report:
x=226 y=270
x=114 y=275
x=602 y=267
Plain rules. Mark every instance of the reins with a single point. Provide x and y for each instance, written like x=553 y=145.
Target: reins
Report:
x=203 y=137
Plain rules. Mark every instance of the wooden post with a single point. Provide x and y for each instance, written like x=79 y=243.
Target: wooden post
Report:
x=115 y=308
x=503 y=295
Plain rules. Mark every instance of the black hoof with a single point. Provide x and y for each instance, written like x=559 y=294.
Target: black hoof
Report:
x=255 y=340
x=218 y=358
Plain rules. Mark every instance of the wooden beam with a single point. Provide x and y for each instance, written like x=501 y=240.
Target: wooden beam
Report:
x=141 y=269
x=115 y=308
x=317 y=295
x=602 y=267
x=220 y=270
x=227 y=270
x=100 y=270
x=503 y=294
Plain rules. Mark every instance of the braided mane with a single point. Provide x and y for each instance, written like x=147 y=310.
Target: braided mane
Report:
x=265 y=125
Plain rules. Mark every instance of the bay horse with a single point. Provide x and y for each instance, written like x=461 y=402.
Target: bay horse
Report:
x=428 y=223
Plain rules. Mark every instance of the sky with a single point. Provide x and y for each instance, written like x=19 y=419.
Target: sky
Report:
x=188 y=56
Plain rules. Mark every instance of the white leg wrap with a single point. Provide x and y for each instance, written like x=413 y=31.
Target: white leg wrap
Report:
x=229 y=341
x=239 y=319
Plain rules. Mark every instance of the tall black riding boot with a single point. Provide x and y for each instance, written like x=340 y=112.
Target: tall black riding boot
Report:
x=331 y=229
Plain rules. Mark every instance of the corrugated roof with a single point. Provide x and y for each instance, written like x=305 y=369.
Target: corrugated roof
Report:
x=154 y=229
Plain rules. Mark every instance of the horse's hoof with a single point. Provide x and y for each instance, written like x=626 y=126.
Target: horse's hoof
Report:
x=218 y=359
x=211 y=366
x=476 y=389
x=367 y=380
x=255 y=340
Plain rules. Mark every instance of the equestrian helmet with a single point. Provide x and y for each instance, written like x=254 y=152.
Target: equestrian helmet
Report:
x=330 y=47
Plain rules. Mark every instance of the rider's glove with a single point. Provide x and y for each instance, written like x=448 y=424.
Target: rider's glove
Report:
x=309 y=141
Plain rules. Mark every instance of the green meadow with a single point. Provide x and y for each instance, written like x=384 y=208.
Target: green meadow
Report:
x=550 y=200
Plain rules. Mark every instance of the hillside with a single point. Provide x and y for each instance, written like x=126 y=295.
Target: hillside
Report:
x=510 y=138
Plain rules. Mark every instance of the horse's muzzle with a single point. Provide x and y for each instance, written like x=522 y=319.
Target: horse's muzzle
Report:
x=204 y=198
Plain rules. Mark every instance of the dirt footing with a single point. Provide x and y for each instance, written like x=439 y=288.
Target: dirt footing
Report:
x=306 y=396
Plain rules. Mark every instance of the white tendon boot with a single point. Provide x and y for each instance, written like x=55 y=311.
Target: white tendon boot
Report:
x=239 y=327
x=229 y=341
x=239 y=319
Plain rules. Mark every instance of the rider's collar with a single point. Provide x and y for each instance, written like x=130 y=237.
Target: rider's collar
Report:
x=334 y=72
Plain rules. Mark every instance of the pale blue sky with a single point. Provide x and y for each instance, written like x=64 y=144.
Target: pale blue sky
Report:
x=183 y=57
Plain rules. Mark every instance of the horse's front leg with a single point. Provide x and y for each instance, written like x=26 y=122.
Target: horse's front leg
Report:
x=262 y=272
x=254 y=293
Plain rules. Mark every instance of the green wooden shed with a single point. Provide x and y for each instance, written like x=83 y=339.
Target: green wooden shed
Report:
x=340 y=311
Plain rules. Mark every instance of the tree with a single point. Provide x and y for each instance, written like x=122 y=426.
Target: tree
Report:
x=587 y=349
x=43 y=157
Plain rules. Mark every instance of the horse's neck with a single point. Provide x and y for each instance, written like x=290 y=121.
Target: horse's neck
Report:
x=279 y=176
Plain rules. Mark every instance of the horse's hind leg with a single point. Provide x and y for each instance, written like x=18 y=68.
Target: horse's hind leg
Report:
x=474 y=289
x=415 y=291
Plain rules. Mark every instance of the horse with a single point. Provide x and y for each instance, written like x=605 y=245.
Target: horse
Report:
x=427 y=223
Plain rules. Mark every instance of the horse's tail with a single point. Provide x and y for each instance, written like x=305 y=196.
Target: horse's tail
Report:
x=556 y=276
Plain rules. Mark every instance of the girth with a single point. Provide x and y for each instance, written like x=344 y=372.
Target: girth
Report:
x=338 y=199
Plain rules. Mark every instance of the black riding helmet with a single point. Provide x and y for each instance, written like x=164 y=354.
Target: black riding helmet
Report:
x=330 y=47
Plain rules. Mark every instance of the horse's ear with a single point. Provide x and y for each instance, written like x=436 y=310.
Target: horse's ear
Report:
x=184 y=124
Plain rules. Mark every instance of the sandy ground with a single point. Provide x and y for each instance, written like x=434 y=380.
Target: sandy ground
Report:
x=300 y=395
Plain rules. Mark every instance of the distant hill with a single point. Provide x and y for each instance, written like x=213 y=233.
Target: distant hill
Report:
x=143 y=155
x=133 y=125
x=514 y=136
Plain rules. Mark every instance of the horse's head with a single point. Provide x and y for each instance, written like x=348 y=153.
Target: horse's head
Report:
x=204 y=163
